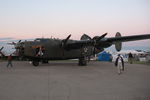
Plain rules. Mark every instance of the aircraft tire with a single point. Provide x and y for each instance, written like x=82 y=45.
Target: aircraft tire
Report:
x=35 y=63
x=82 y=61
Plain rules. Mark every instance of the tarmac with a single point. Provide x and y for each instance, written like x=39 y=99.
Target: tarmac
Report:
x=65 y=80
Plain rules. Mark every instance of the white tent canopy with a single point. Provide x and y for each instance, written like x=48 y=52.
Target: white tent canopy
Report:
x=130 y=51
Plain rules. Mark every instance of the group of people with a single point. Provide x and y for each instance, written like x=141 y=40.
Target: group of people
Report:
x=119 y=63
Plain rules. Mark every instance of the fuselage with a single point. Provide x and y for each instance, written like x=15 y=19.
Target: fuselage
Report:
x=55 y=49
x=52 y=50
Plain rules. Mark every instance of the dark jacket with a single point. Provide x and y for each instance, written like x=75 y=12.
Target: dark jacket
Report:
x=122 y=61
x=130 y=55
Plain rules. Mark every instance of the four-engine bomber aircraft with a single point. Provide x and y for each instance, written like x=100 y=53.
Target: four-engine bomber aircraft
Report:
x=43 y=49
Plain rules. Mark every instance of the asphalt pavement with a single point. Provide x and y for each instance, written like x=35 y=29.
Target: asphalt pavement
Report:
x=65 y=80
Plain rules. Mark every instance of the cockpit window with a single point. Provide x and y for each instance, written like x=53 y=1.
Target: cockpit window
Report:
x=41 y=40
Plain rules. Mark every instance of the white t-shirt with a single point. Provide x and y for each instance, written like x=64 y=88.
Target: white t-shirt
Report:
x=119 y=59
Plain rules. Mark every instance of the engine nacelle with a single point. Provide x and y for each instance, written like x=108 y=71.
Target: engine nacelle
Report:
x=118 y=45
x=85 y=37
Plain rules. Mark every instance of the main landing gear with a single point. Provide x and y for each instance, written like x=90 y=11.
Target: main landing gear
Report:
x=82 y=61
x=36 y=62
x=83 y=58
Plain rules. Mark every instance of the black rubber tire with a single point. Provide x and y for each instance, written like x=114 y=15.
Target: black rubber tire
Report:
x=35 y=63
x=82 y=61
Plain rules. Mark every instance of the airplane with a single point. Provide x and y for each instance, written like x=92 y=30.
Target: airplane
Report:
x=45 y=49
x=4 y=56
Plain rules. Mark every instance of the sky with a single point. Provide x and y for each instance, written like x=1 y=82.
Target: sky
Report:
x=26 y=19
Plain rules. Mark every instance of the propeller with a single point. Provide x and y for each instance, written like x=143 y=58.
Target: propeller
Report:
x=65 y=40
x=63 y=43
x=17 y=46
x=14 y=43
x=85 y=37
x=96 y=39
x=1 y=51
x=19 y=41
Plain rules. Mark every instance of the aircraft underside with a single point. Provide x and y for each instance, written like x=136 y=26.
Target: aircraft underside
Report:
x=35 y=60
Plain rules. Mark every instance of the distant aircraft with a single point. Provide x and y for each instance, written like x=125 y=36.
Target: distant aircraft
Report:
x=44 y=49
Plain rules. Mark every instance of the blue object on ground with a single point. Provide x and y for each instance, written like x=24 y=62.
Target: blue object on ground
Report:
x=104 y=56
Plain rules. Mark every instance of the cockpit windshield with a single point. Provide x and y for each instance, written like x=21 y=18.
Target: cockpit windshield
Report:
x=41 y=40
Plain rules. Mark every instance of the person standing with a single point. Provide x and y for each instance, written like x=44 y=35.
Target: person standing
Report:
x=130 y=58
x=9 y=61
x=120 y=64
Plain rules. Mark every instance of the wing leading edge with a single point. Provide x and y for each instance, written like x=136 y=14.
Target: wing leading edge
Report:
x=102 y=42
x=128 y=38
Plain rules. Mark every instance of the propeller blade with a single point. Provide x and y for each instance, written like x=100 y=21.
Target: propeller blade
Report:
x=1 y=48
x=85 y=37
x=19 y=41
x=101 y=37
x=13 y=43
x=96 y=39
x=1 y=52
x=65 y=41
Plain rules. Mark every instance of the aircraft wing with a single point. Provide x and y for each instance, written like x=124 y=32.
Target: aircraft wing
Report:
x=104 y=42
x=127 y=38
